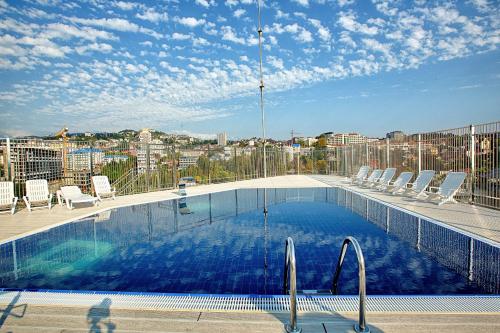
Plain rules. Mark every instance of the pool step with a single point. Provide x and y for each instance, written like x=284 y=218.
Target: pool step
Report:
x=314 y=292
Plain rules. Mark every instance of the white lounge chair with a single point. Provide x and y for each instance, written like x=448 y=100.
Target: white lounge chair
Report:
x=374 y=176
x=449 y=187
x=420 y=184
x=360 y=176
x=37 y=194
x=400 y=183
x=385 y=179
x=7 y=197
x=73 y=195
x=102 y=187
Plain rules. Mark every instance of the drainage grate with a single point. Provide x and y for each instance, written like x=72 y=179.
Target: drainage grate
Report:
x=256 y=303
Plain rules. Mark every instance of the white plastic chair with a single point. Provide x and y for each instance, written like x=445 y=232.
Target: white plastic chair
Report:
x=385 y=179
x=73 y=194
x=374 y=176
x=449 y=187
x=420 y=184
x=7 y=197
x=361 y=175
x=102 y=187
x=400 y=183
x=37 y=194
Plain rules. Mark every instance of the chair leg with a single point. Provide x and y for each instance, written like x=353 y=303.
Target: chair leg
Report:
x=26 y=201
x=13 y=206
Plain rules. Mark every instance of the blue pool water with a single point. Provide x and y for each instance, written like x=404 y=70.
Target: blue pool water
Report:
x=221 y=243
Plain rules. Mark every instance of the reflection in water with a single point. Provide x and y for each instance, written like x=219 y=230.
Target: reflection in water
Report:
x=183 y=207
x=223 y=243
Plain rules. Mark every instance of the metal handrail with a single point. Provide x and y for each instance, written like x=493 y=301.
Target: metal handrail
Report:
x=361 y=326
x=290 y=267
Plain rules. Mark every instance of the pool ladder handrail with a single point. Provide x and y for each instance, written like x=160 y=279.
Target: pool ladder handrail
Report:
x=290 y=276
x=361 y=326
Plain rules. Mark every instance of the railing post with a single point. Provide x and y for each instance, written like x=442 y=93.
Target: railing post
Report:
x=472 y=161
x=367 y=154
x=91 y=158
x=8 y=160
x=208 y=161
x=174 y=166
x=387 y=153
x=298 y=162
x=419 y=145
x=148 y=166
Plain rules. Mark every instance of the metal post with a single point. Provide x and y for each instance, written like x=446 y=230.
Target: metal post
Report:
x=235 y=165
x=261 y=87
x=352 y=160
x=298 y=162
x=387 y=153
x=8 y=160
x=148 y=166
x=472 y=161
x=91 y=159
x=367 y=154
x=291 y=273
x=174 y=167
x=208 y=158
x=419 y=152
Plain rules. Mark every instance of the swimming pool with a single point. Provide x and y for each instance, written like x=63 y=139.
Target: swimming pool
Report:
x=222 y=243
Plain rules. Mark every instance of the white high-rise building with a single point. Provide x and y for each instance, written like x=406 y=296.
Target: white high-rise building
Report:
x=145 y=136
x=222 y=139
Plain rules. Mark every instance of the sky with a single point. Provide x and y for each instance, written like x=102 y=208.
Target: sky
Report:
x=191 y=66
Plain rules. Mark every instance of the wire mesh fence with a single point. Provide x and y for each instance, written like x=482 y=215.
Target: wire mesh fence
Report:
x=137 y=167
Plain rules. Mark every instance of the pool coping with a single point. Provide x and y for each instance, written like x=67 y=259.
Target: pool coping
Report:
x=483 y=303
x=257 y=303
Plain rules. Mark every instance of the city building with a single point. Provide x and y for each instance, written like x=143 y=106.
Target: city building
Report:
x=188 y=158
x=395 y=135
x=115 y=158
x=145 y=136
x=84 y=158
x=33 y=160
x=222 y=139
x=340 y=139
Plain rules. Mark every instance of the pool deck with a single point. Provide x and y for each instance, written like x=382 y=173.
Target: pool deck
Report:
x=20 y=316
x=44 y=319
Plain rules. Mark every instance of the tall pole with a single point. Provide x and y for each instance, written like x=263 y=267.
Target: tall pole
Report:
x=262 y=94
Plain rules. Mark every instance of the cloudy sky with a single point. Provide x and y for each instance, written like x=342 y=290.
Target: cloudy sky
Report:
x=192 y=65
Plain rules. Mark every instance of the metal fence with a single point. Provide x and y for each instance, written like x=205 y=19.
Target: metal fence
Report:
x=135 y=167
x=473 y=149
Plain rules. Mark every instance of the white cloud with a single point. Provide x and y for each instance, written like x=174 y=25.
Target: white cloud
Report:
x=229 y=34
x=153 y=16
x=348 y=22
x=179 y=36
x=97 y=47
x=205 y=3
x=190 y=21
x=304 y=3
x=123 y=5
x=239 y=12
